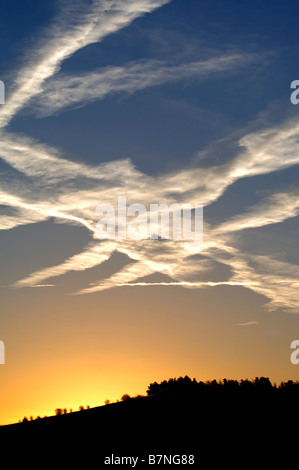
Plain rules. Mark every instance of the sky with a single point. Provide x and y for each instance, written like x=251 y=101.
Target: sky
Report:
x=161 y=101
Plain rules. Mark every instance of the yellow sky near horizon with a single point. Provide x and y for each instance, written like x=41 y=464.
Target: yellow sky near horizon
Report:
x=67 y=351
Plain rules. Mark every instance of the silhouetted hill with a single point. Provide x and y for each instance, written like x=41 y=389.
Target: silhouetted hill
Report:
x=235 y=423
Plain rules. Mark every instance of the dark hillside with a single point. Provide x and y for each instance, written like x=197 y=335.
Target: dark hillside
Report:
x=231 y=422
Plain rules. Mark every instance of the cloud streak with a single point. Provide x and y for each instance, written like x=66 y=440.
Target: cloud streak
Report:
x=248 y=323
x=171 y=258
x=65 y=92
x=76 y=27
x=275 y=209
x=45 y=184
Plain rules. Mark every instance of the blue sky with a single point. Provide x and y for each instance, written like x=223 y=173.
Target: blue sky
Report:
x=163 y=101
x=152 y=93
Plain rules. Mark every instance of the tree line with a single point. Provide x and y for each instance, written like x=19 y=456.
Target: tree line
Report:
x=187 y=386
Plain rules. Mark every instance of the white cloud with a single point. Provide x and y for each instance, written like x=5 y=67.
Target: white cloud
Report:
x=75 y=28
x=276 y=208
x=94 y=255
x=102 y=183
x=248 y=323
x=70 y=192
x=66 y=91
x=186 y=284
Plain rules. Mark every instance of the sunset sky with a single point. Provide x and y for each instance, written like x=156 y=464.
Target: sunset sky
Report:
x=161 y=101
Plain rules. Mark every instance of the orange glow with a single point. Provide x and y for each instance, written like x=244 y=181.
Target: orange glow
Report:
x=83 y=350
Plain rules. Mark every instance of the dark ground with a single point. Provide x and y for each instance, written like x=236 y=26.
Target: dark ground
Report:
x=232 y=429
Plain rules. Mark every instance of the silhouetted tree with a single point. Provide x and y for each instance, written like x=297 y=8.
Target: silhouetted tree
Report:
x=246 y=385
x=185 y=388
x=58 y=411
x=153 y=389
x=262 y=383
x=125 y=397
